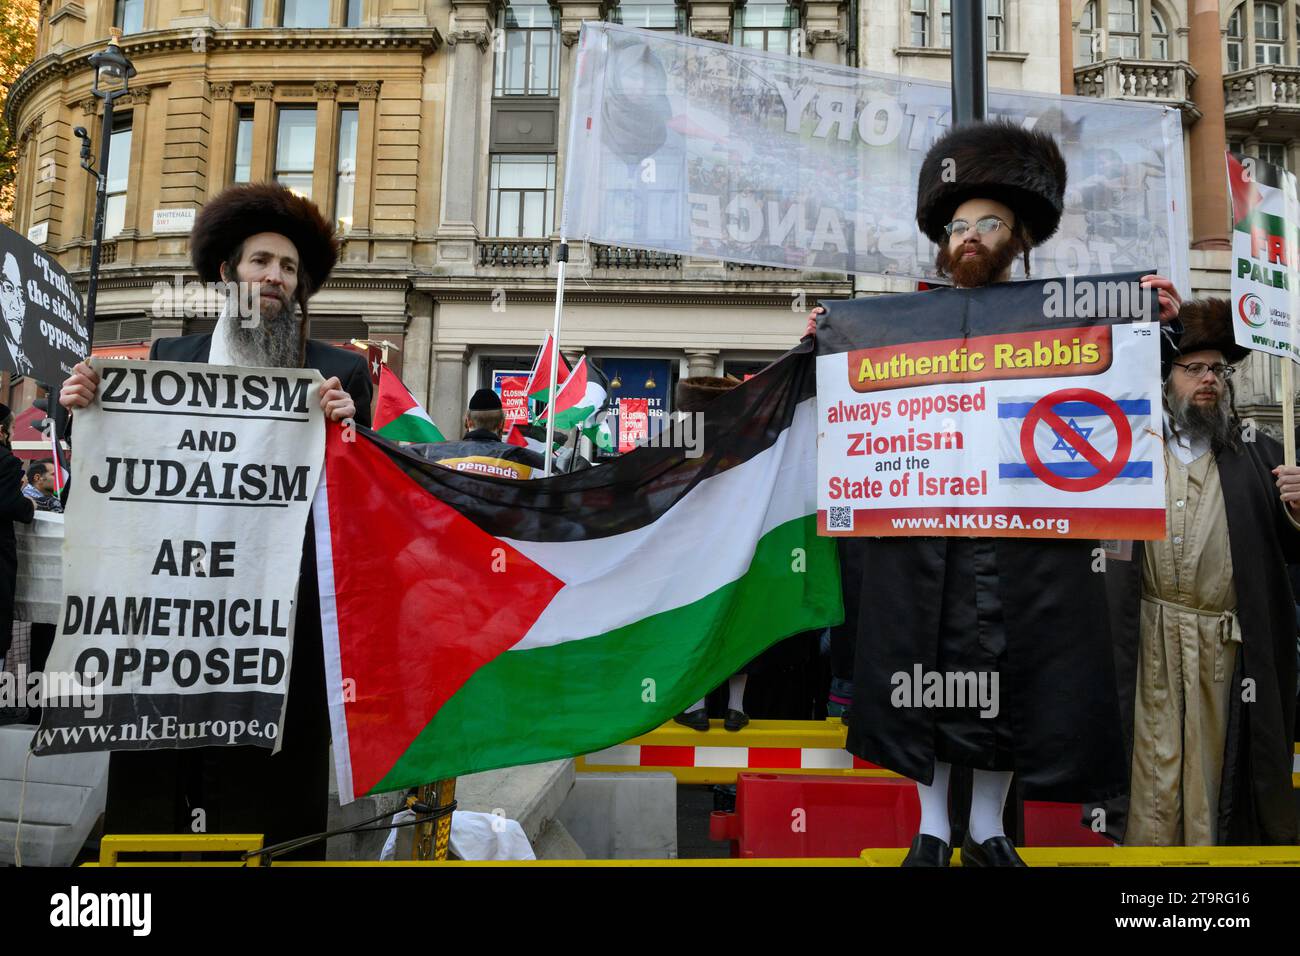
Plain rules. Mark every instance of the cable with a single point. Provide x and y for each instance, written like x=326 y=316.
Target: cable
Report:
x=361 y=826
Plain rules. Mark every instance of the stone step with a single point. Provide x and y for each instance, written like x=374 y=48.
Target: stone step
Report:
x=64 y=800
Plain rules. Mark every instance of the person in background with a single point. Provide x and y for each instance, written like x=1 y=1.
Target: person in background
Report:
x=14 y=506
x=40 y=487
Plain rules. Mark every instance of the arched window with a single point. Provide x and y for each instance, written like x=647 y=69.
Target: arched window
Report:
x=1270 y=37
x=1086 y=47
x=1122 y=26
x=1159 y=49
x=1236 y=40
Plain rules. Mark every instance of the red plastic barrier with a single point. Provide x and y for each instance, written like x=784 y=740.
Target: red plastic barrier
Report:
x=789 y=816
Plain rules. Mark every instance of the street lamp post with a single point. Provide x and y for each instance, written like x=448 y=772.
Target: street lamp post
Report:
x=113 y=71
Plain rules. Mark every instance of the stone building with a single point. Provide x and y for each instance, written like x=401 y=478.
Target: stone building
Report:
x=432 y=131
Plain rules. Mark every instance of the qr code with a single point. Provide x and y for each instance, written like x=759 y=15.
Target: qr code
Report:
x=839 y=518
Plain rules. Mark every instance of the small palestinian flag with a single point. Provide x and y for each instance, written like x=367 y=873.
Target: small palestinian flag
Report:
x=539 y=379
x=490 y=623
x=580 y=397
x=532 y=437
x=398 y=416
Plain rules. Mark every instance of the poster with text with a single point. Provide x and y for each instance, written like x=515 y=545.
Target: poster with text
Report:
x=1265 y=229
x=1024 y=409
x=512 y=389
x=180 y=567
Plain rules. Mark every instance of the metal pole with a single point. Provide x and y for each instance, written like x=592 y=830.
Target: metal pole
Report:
x=562 y=257
x=970 y=102
x=101 y=200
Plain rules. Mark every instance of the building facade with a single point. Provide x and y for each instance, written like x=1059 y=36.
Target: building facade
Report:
x=432 y=132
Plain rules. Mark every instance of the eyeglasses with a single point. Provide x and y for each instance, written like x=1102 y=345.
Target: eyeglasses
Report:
x=1198 y=369
x=983 y=226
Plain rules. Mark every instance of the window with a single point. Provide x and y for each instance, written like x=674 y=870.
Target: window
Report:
x=1235 y=41
x=295 y=149
x=244 y=146
x=345 y=182
x=663 y=15
x=766 y=26
x=521 y=195
x=256 y=11
x=996 y=24
x=945 y=24
x=305 y=14
x=1086 y=46
x=118 y=177
x=1122 y=21
x=1159 y=38
x=1268 y=34
x=352 y=16
x=128 y=15
x=1274 y=153
x=920 y=23
x=530 y=62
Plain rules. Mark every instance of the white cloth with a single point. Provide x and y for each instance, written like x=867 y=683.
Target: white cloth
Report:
x=1184 y=447
x=474 y=836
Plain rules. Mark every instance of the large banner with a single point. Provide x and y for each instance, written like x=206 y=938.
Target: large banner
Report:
x=1025 y=409
x=1265 y=234
x=180 y=566
x=708 y=149
x=44 y=327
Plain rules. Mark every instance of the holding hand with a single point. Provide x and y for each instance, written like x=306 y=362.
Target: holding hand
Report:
x=336 y=401
x=1170 y=300
x=79 y=388
x=1288 y=485
x=812 y=321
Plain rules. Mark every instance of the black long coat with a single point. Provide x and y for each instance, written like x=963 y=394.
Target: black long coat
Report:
x=1256 y=803
x=14 y=506
x=247 y=789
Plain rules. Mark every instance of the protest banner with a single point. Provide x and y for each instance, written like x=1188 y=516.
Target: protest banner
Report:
x=512 y=389
x=1265 y=298
x=186 y=518
x=44 y=328
x=713 y=150
x=1025 y=409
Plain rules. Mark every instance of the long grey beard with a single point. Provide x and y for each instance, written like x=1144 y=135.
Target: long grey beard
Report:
x=272 y=343
x=1216 y=424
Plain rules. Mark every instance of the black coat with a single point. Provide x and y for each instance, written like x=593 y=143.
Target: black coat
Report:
x=14 y=506
x=1256 y=803
x=1056 y=684
x=247 y=789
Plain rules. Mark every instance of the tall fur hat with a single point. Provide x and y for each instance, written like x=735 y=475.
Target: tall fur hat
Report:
x=1202 y=324
x=1021 y=168
x=246 y=209
x=695 y=394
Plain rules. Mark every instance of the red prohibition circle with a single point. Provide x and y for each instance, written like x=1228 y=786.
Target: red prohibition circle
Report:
x=1106 y=470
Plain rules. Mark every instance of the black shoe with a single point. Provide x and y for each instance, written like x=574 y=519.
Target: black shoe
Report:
x=735 y=720
x=697 y=719
x=995 y=851
x=928 y=851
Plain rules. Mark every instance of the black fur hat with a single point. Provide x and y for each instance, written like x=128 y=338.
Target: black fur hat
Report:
x=696 y=394
x=1202 y=324
x=244 y=210
x=1023 y=169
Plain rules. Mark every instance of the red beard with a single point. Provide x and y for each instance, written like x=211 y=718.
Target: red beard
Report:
x=981 y=269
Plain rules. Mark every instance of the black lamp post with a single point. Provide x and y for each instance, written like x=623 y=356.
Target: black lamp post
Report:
x=112 y=73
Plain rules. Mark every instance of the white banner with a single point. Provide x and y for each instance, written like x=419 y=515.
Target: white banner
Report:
x=1265 y=229
x=707 y=149
x=191 y=487
x=1026 y=409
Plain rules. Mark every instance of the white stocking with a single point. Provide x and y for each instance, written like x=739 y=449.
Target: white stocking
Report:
x=987 y=800
x=934 y=803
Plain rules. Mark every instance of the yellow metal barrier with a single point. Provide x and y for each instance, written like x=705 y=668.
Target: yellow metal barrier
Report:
x=110 y=847
x=1126 y=856
x=717 y=755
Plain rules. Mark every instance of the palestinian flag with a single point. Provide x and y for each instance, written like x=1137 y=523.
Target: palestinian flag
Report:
x=472 y=623
x=539 y=379
x=398 y=416
x=532 y=437
x=580 y=397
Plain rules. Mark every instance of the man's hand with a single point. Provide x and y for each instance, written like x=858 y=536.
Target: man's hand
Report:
x=1170 y=300
x=335 y=400
x=812 y=321
x=79 y=388
x=1288 y=485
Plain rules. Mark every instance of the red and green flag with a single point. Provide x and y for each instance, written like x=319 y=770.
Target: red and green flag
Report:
x=398 y=416
x=473 y=622
x=539 y=379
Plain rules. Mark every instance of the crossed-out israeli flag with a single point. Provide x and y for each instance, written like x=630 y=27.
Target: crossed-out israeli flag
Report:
x=1067 y=459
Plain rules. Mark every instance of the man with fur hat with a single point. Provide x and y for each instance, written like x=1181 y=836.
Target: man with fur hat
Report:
x=276 y=250
x=1203 y=621
x=1013 y=609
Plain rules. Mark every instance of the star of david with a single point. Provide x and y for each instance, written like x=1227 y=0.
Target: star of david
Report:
x=1063 y=445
